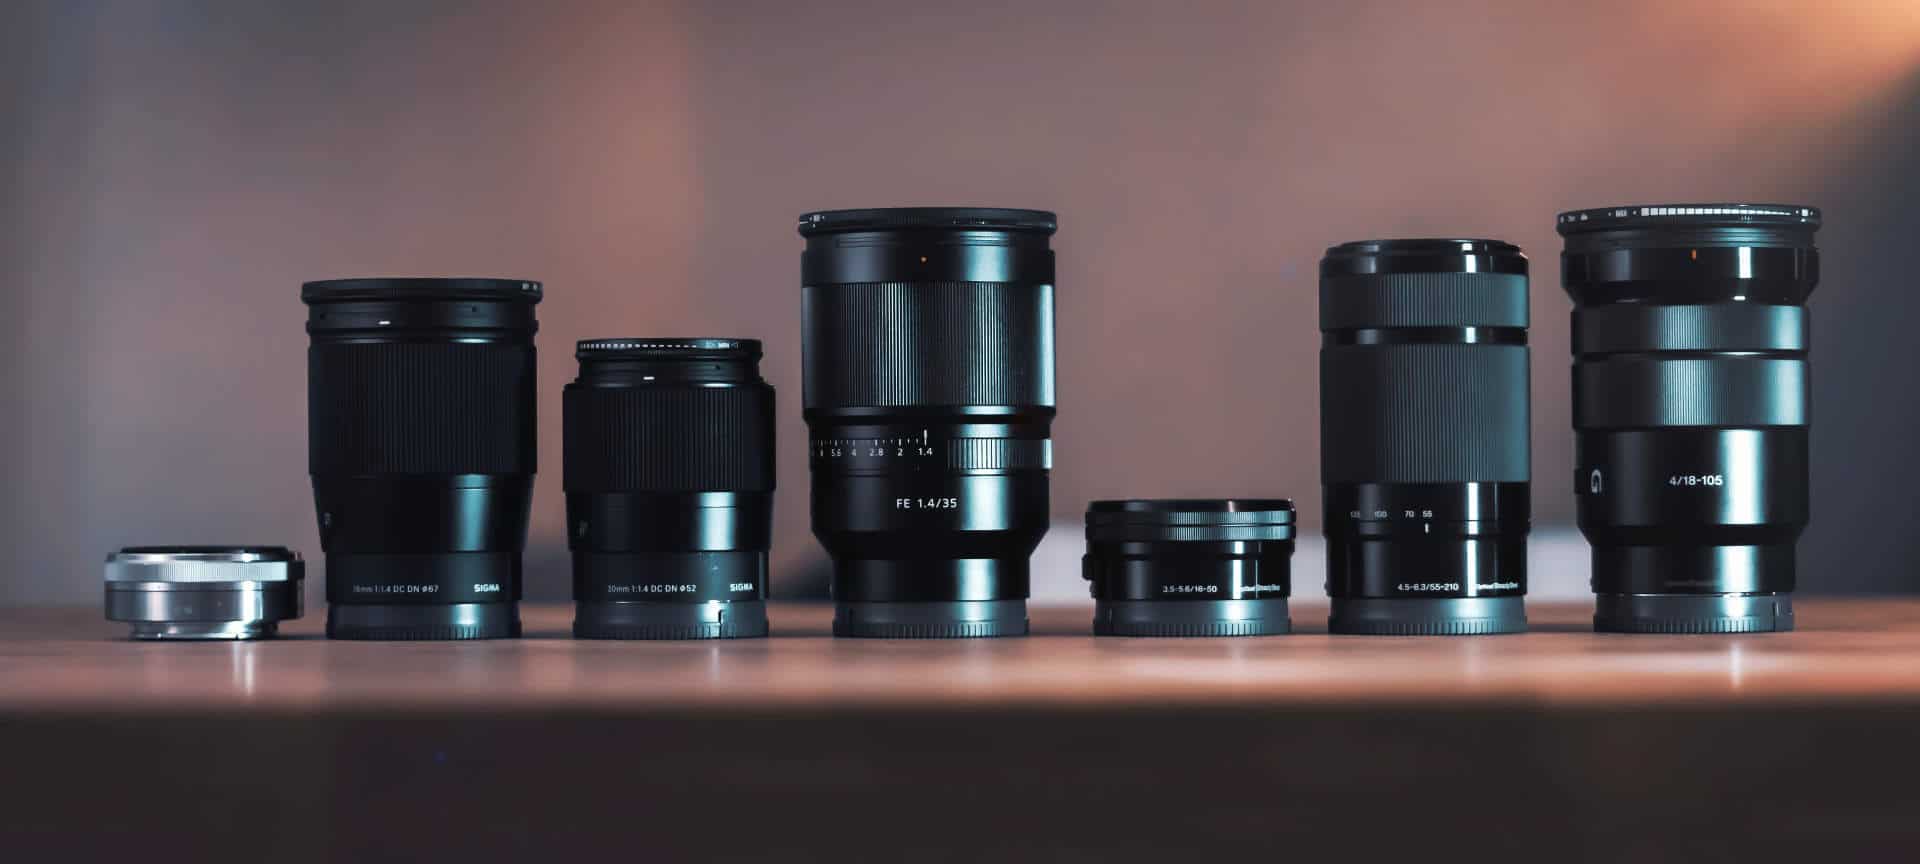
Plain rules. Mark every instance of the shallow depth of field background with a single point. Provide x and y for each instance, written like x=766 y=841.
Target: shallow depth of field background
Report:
x=174 y=170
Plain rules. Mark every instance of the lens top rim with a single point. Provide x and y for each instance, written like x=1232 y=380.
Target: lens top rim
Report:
x=948 y=218
x=1204 y=509
x=224 y=554
x=690 y=347
x=1423 y=255
x=1709 y=215
x=414 y=288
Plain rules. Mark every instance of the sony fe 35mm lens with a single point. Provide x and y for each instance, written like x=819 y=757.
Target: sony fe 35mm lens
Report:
x=927 y=341
x=669 y=480
x=1424 y=436
x=1690 y=409
x=420 y=440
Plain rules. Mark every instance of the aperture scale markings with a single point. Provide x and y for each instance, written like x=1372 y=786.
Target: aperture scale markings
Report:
x=854 y=448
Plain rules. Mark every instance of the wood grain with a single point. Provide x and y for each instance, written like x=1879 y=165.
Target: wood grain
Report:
x=1560 y=744
x=1847 y=650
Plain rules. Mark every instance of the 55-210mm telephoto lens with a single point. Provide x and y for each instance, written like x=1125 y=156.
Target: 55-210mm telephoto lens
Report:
x=1424 y=436
x=1690 y=397
x=420 y=440
x=927 y=342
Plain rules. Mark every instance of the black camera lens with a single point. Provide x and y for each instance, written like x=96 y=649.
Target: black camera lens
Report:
x=1690 y=390
x=928 y=355
x=1190 y=568
x=669 y=480
x=420 y=440
x=1424 y=436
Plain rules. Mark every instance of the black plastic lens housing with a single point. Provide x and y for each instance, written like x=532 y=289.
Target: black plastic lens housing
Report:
x=927 y=341
x=1690 y=409
x=1424 y=442
x=420 y=437
x=1190 y=567
x=669 y=475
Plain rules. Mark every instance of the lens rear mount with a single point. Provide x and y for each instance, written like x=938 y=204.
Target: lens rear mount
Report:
x=737 y=619
x=1693 y=613
x=944 y=619
x=1422 y=616
x=401 y=622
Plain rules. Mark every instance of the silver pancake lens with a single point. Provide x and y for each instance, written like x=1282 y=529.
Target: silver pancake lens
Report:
x=204 y=592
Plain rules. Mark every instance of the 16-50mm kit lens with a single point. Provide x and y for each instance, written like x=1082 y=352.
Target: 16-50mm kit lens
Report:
x=927 y=345
x=420 y=411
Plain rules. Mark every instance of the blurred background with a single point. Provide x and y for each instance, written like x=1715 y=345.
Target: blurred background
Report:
x=174 y=171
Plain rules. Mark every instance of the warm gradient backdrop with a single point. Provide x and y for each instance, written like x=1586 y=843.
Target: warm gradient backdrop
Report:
x=174 y=170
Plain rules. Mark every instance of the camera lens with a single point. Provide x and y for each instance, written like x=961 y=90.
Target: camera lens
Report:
x=928 y=355
x=1690 y=390
x=205 y=592
x=1424 y=437
x=1189 y=568
x=420 y=440
x=669 y=479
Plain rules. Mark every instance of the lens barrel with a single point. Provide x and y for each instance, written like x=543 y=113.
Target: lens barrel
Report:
x=1424 y=436
x=420 y=411
x=205 y=592
x=929 y=395
x=669 y=476
x=1690 y=409
x=1190 y=567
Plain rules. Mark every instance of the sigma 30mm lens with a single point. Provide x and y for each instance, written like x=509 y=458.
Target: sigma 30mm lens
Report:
x=1424 y=436
x=669 y=478
x=420 y=440
x=927 y=343
x=1690 y=395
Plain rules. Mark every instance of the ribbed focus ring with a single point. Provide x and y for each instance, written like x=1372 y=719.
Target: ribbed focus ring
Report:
x=1423 y=300
x=668 y=439
x=1423 y=414
x=420 y=408
x=892 y=344
x=1000 y=454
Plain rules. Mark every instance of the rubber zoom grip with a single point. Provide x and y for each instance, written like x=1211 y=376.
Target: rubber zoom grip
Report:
x=668 y=439
x=1423 y=414
x=420 y=408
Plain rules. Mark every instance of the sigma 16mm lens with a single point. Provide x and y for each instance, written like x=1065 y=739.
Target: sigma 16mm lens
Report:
x=928 y=370
x=1690 y=393
x=420 y=440
x=669 y=480
x=1424 y=436
x=1190 y=567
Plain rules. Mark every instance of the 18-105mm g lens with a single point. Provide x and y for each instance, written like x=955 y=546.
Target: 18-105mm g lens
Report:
x=420 y=410
x=927 y=343
x=1690 y=392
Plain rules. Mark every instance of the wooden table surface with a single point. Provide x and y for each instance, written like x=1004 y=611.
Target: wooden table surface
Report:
x=1846 y=650
x=1558 y=744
